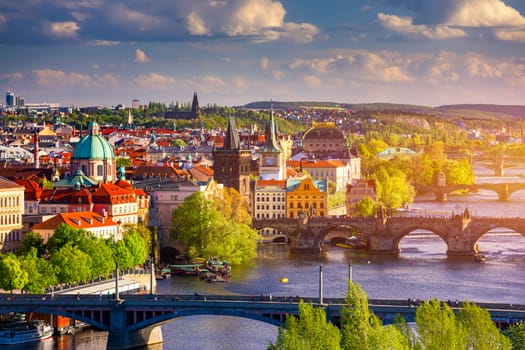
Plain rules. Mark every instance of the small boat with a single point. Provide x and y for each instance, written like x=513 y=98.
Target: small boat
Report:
x=408 y=208
x=283 y=279
x=19 y=332
x=480 y=257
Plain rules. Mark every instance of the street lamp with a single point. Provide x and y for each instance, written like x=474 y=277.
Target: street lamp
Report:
x=350 y=270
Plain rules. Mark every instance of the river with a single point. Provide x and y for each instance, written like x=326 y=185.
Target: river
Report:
x=422 y=270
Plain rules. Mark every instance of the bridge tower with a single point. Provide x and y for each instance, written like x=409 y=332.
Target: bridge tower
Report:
x=441 y=194
x=231 y=163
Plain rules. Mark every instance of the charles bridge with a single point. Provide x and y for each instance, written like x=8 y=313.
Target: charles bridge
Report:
x=383 y=234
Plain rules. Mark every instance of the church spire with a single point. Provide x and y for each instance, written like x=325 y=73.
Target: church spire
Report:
x=231 y=139
x=130 y=117
x=270 y=135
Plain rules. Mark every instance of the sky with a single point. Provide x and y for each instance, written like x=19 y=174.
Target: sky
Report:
x=232 y=52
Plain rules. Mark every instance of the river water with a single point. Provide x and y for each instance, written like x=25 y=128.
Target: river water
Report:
x=422 y=270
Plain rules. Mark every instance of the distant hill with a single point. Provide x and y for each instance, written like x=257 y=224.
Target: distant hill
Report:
x=468 y=111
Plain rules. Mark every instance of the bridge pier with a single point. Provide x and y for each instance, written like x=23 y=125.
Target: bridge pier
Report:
x=441 y=196
x=120 y=338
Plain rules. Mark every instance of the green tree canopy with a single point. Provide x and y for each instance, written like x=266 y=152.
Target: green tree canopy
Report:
x=41 y=271
x=438 y=327
x=481 y=331
x=32 y=241
x=516 y=334
x=310 y=330
x=12 y=275
x=71 y=264
x=215 y=227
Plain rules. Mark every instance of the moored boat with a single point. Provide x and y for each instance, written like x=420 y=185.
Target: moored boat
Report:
x=19 y=332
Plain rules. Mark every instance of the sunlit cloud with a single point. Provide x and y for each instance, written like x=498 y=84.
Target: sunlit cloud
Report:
x=61 y=30
x=404 y=26
x=140 y=56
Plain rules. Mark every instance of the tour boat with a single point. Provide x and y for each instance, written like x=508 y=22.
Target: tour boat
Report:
x=19 y=332
x=283 y=279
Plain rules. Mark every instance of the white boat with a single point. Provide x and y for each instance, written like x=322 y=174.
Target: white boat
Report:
x=408 y=207
x=19 y=332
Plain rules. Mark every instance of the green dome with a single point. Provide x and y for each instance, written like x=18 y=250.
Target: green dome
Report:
x=93 y=146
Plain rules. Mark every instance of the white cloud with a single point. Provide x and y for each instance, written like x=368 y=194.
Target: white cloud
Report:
x=485 y=13
x=277 y=74
x=55 y=78
x=299 y=32
x=61 y=30
x=154 y=81
x=260 y=20
x=478 y=67
x=510 y=35
x=195 y=24
x=312 y=81
x=264 y=63
x=404 y=26
x=2 y=19
x=103 y=43
x=240 y=83
x=140 y=56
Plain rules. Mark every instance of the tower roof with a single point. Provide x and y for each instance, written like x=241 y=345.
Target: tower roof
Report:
x=270 y=136
x=231 y=139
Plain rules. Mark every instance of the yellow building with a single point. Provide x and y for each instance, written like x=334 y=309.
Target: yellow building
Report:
x=307 y=196
x=11 y=210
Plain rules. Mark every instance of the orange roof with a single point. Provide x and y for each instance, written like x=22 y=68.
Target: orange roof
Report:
x=81 y=219
x=113 y=194
x=316 y=164
x=264 y=183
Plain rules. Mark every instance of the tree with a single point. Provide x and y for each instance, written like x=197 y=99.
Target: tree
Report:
x=122 y=255
x=12 y=275
x=122 y=162
x=357 y=320
x=365 y=207
x=136 y=247
x=310 y=330
x=41 y=271
x=516 y=334
x=32 y=240
x=71 y=263
x=207 y=231
x=101 y=256
x=438 y=327
x=481 y=331
x=65 y=234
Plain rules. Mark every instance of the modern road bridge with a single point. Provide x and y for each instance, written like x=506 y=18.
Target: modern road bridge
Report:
x=135 y=320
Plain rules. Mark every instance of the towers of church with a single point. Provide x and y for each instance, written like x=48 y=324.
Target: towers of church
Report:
x=271 y=157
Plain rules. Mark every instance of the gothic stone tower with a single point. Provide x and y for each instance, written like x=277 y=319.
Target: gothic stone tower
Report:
x=195 y=111
x=231 y=164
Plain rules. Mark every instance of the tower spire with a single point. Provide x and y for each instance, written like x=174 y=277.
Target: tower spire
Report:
x=231 y=139
x=270 y=134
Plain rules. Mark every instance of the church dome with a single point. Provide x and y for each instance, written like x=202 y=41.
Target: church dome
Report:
x=93 y=146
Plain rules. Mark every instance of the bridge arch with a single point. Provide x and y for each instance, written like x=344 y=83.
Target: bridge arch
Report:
x=518 y=230
x=165 y=318
x=399 y=235
x=100 y=320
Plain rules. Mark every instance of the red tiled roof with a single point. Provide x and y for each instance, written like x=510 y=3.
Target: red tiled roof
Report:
x=83 y=220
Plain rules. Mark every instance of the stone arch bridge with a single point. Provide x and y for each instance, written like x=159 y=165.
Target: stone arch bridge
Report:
x=503 y=190
x=383 y=235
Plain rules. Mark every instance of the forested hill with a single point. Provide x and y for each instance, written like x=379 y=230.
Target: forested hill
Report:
x=477 y=111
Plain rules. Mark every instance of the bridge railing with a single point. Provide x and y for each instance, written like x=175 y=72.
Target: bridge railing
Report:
x=96 y=280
